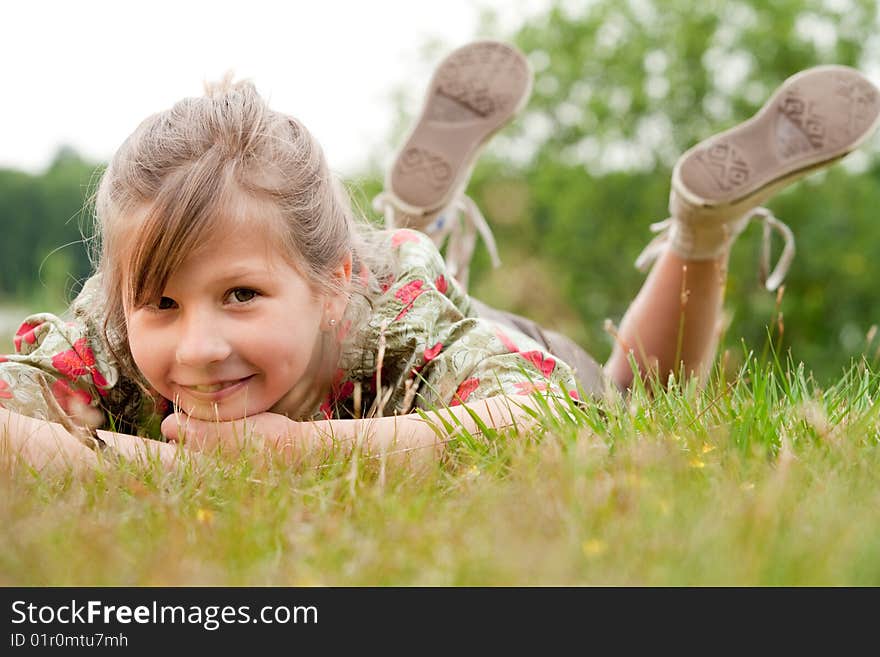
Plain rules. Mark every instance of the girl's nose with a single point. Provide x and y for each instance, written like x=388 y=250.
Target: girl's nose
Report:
x=201 y=341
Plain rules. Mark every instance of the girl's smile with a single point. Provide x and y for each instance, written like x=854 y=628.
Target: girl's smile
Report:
x=214 y=391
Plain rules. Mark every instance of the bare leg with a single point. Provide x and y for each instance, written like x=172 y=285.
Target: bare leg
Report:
x=717 y=188
x=673 y=321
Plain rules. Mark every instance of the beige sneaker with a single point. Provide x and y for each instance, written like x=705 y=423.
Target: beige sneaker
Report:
x=815 y=118
x=474 y=92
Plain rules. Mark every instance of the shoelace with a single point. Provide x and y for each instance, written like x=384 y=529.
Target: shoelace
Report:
x=459 y=223
x=654 y=248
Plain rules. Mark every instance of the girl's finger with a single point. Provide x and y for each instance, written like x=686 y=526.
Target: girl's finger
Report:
x=176 y=426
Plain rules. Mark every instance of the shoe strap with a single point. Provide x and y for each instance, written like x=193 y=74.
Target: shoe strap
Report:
x=465 y=231
x=460 y=222
x=384 y=203
x=774 y=280
x=656 y=246
x=659 y=244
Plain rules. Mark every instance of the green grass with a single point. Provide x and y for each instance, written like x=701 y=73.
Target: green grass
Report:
x=761 y=478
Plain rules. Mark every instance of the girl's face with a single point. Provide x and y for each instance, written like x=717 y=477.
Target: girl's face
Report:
x=236 y=330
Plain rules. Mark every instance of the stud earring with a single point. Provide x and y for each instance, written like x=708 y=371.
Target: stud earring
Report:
x=332 y=323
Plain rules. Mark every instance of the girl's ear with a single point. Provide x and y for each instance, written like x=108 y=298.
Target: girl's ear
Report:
x=338 y=302
x=343 y=272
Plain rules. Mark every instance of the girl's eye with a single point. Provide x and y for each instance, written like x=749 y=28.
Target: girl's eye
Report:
x=165 y=303
x=242 y=295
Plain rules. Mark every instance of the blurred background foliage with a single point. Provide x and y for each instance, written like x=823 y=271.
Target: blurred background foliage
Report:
x=621 y=89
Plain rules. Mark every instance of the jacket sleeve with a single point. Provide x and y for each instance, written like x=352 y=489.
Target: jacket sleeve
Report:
x=65 y=366
x=55 y=368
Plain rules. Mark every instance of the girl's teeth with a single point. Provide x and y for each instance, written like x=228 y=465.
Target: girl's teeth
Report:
x=211 y=388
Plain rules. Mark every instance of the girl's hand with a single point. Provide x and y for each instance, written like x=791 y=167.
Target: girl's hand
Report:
x=266 y=430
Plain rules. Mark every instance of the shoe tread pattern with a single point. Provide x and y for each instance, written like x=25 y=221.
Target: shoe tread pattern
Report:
x=474 y=92
x=428 y=167
x=811 y=121
x=476 y=83
x=725 y=164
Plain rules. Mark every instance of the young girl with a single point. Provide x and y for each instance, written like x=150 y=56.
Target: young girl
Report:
x=235 y=295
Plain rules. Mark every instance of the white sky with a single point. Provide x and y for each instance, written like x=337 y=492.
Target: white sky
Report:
x=86 y=73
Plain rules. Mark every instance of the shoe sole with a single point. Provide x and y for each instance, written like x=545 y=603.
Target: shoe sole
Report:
x=815 y=118
x=473 y=93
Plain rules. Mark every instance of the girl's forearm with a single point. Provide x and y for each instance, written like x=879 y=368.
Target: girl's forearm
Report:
x=423 y=438
x=48 y=446
x=42 y=445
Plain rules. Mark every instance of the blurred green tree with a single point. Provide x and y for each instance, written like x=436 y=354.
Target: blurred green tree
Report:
x=43 y=253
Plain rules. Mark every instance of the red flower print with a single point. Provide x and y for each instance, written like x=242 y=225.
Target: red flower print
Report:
x=506 y=341
x=431 y=352
x=3 y=359
x=99 y=380
x=339 y=391
x=66 y=394
x=408 y=294
x=344 y=391
x=27 y=333
x=427 y=356
x=79 y=361
x=4 y=390
x=464 y=391
x=545 y=364
x=410 y=291
x=402 y=236
x=75 y=362
x=574 y=395
x=441 y=284
x=527 y=387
